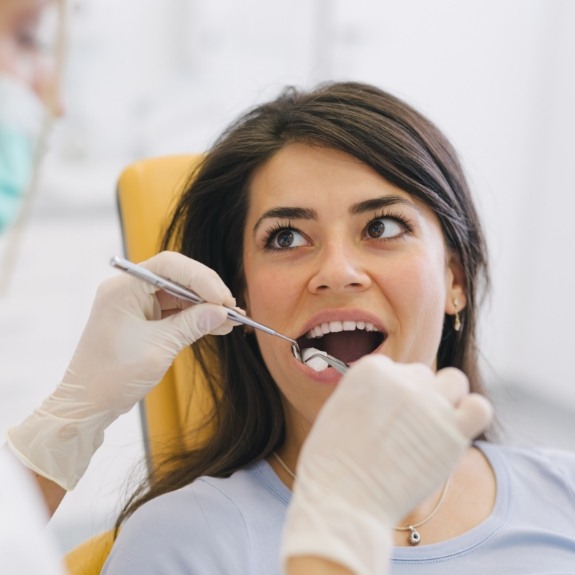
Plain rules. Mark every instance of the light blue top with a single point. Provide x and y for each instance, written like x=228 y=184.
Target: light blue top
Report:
x=233 y=525
x=530 y=530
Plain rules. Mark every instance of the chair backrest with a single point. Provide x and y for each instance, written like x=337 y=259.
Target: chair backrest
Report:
x=147 y=192
x=89 y=557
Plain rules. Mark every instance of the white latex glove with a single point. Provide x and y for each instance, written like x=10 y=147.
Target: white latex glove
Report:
x=386 y=439
x=124 y=351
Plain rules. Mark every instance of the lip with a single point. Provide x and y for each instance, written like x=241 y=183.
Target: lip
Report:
x=331 y=375
x=326 y=376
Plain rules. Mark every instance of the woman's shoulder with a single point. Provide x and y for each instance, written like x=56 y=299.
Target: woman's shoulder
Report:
x=530 y=452
x=201 y=523
x=212 y=499
x=533 y=463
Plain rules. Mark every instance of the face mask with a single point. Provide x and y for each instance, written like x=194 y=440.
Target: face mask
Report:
x=21 y=119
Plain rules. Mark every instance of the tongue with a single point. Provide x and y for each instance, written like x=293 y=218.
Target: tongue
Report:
x=348 y=345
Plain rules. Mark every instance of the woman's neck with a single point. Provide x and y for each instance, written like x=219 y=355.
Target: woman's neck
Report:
x=468 y=499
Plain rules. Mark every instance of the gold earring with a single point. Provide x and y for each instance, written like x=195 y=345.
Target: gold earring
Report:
x=456 y=319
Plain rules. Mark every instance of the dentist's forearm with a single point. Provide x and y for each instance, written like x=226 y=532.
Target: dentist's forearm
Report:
x=51 y=492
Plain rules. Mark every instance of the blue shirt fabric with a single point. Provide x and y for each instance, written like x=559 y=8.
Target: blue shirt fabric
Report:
x=234 y=525
x=531 y=529
x=212 y=526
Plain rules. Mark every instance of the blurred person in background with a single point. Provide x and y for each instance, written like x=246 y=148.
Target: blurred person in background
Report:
x=29 y=94
x=28 y=97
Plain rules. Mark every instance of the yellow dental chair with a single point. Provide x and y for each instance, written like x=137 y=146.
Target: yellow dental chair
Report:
x=146 y=194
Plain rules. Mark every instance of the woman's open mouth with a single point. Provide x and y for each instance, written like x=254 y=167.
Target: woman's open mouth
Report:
x=347 y=340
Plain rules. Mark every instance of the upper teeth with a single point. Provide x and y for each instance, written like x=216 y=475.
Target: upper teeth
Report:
x=336 y=326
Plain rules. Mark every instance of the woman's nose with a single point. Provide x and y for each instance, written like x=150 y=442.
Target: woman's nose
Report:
x=338 y=269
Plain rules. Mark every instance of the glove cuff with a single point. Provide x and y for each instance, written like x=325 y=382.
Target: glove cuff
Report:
x=58 y=449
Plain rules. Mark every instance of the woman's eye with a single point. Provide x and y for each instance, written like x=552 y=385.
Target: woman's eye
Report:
x=28 y=39
x=384 y=228
x=285 y=239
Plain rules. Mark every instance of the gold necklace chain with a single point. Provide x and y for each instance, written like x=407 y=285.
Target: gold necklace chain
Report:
x=284 y=465
x=414 y=535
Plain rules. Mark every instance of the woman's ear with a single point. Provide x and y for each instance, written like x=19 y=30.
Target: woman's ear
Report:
x=456 y=295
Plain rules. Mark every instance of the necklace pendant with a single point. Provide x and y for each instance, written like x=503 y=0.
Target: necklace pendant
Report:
x=414 y=536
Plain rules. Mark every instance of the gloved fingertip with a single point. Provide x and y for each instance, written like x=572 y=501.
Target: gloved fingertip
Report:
x=223 y=329
x=240 y=310
x=230 y=301
x=211 y=318
x=474 y=415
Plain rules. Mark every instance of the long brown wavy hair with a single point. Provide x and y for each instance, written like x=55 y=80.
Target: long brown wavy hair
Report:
x=381 y=131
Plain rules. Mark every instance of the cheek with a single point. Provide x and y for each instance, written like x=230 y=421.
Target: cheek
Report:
x=415 y=279
x=273 y=300
x=424 y=284
x=270 y=293
x=416 y=292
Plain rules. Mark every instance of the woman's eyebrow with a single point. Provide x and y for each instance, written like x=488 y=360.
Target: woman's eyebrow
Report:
x=290 y=213
x=381 y=202
x=286 y=213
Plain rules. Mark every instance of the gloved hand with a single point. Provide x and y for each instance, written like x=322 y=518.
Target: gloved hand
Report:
x=389 y=435
x=133 y=334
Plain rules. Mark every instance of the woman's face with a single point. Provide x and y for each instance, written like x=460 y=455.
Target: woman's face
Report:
x=340 y=259
x=27 y=30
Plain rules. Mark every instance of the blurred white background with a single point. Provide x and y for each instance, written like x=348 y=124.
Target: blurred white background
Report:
x=150 y=77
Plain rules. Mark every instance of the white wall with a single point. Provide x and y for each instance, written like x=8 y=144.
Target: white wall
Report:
x=164 y=76
x=149 y=77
